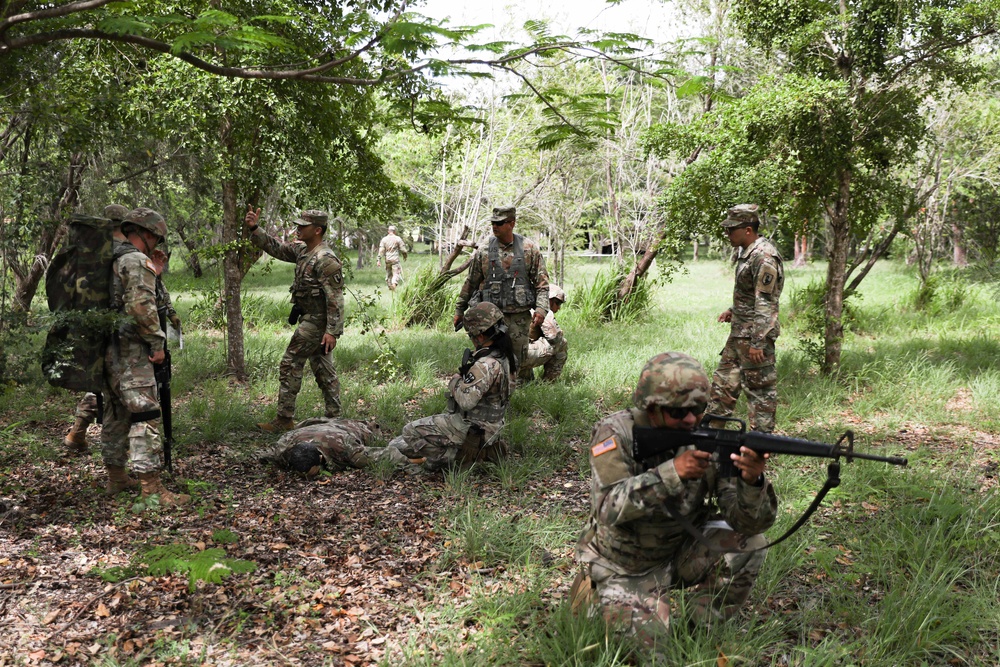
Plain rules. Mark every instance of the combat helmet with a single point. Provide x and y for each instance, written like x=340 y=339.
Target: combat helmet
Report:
x=481 y=317
x=148 y=219
x=115 y=212
x=673 y=380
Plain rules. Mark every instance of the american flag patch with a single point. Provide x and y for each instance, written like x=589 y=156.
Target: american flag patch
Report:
x=150 y=265
x=604 y=447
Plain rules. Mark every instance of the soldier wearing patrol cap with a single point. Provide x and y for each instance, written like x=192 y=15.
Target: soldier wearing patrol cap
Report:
x=391 y=247
x=132 y=411
x=510 y=273
x=318 y=310
x=478 y=396
x=548 y=347
x=635 y=547
x=748 y=360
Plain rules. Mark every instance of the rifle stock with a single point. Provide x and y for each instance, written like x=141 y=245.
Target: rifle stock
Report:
x=649 y=442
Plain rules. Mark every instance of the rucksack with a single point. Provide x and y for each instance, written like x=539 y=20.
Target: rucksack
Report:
x=78 y=287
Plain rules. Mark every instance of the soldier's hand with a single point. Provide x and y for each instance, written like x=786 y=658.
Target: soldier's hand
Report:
x=756 y=355
x=726 y=316
x=750 y=463
x=158 y=357
x=692 y=464
x=252 y=218
x=160 y=260
x=458 y=322
x=175 y=322
x=328 y=343
x=537 y=318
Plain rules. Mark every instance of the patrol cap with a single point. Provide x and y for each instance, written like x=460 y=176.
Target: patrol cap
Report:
x=312 y=217
x=673 y=380
x=115 y=212
x=741 y=216
x=148 y=219
x=556 y=292
x=481 y=317
x=392 y=228
x=504 y=213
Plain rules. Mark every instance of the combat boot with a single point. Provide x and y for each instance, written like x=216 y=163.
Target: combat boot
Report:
x=279 y=425
x=118 y=481
x=152 y=486
x=75 y=443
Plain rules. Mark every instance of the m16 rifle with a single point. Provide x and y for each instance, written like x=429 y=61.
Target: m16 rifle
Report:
x=163 y=372
x=648 y=442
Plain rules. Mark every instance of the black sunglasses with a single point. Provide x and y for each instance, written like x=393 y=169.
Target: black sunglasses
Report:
x=499 y=223
x=681 y=413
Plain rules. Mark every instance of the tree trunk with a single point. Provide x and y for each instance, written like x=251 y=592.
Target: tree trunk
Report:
x=958 y=244
x=360 y=236
x=638 y=271
x=833 y=335
x=232 y=282
x=801 y=250
x=192 y=257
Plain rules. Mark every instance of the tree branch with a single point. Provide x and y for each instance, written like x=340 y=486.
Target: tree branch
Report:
x=54 y=12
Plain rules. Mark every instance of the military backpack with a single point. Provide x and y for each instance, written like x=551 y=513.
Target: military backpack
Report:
x=78 y=288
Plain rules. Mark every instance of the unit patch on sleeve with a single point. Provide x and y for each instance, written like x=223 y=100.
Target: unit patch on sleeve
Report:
x=604 y=447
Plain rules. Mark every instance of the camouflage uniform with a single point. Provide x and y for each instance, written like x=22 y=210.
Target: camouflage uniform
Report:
x=318 y=291
x=636 y=553
x=391 y=247
x=469 y=432
x=341 y=443
x=760 y=277
x=511 y=276
x=548 y=347
x=132 y=407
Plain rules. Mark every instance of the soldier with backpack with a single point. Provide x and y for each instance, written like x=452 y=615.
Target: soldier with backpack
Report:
x=132 y=411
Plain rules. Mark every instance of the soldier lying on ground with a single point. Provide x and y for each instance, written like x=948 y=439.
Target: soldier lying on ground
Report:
x=330 y=444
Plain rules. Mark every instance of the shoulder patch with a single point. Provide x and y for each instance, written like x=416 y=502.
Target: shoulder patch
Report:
x=604 y=447
x=766 y=279
x=150 y=265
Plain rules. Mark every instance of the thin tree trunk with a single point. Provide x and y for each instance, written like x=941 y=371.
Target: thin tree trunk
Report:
x=833 y=335
x=232 y=282
x=192 y=257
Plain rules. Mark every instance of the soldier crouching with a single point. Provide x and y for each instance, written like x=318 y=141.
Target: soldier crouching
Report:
x=635 y=547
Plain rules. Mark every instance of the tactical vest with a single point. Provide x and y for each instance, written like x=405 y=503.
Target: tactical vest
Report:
x=489 y=410
x=307 y=292
x=509 y=290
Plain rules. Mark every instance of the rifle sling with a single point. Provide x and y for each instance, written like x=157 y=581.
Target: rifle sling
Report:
x=832 y=480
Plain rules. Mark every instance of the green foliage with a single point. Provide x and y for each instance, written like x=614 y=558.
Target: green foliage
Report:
x=209 y=565
x=385 y=366
x=424 y=298
x=598 y=301
x=807 y=310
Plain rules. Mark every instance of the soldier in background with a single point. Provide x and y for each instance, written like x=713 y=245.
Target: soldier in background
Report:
x=329 y=444
x=317 y=309
x=132 y=409
x=478 y=396
x=748 y=359
x=633 y=548
x=391 y=247
x=548 y=347
x=508 y=272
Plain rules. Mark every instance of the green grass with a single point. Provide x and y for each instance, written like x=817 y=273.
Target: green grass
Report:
x=900 y=567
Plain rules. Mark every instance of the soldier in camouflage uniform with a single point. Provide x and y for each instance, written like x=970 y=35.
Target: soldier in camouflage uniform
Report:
x=478 y=396
x=132 y=408
x=633 y=550
x=510 y=273
x=748 y=358
x=318 y=300
x=75 y=443
x=391 y=247
x=548 y=347
x=330 y=444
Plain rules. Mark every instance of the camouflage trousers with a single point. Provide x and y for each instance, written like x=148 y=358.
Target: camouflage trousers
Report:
x=517 y=329
x=393 y=274
x=130 y=393
x=550 y=356
x=759 y=381
x=716 y=584
x=305 y=346
x=437 y=439
x=86 y=409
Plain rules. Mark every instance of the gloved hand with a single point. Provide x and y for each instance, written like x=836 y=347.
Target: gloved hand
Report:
x=175 y=322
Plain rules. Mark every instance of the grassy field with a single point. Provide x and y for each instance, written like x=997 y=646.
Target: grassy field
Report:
x=900 y=566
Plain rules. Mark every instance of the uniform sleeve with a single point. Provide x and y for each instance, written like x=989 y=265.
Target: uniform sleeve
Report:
x=747 y=508
x=331 y=277
x=381 y=248
x=402 y=249
x=550 y=328
x=539 y=277
x=619 y=495
x=469 y=389
x=139 y=283
x=286 y=252
x=765 y=311
x=472 y=282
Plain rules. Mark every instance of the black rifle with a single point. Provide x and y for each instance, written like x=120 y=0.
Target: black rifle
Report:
x=648 y=442
x=162 y=372
x=468 y=358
